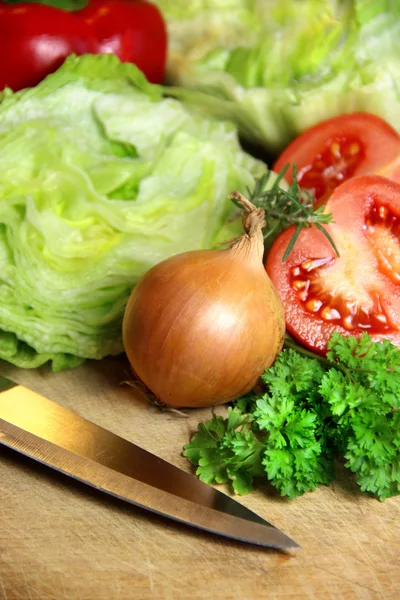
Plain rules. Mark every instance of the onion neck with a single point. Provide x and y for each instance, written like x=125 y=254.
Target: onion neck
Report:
x=251 y=244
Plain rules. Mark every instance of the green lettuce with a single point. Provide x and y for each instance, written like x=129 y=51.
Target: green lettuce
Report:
x=307 y=60
x=196 y=27
x=101 y=177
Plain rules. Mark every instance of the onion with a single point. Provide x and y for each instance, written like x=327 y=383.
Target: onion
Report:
x=201 y=327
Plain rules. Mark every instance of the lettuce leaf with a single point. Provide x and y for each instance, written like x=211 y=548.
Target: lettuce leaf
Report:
x=307 y=60
x=199 y=26
x=101 y=177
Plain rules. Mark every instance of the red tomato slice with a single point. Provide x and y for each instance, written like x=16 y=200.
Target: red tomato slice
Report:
x=335 y=150
x=357 y=291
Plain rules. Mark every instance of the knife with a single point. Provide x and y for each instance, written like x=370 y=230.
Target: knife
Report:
x=59 y=438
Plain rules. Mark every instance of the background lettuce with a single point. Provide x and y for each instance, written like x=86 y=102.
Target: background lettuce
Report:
x=302 y=62
x=100 y=178
x=197 y=26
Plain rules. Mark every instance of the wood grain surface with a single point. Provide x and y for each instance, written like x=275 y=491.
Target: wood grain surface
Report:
x=62 y=540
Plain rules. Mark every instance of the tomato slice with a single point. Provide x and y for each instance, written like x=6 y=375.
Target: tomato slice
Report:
x=335 y=150
x=357 y=291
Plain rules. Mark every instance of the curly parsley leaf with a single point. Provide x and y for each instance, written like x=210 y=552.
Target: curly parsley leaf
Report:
x=225 y=450
x=310 y=410
x=373 y=454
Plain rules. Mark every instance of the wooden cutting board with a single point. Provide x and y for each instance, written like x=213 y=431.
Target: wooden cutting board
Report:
x=62 y=540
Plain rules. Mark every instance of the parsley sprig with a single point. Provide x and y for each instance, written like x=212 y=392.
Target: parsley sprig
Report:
x=284 y=208
x=311 y=411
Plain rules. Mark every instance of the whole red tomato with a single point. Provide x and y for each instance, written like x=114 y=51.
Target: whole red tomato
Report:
x=357 y=291
x=132 y=30
x=335 y=150
x=35 y=39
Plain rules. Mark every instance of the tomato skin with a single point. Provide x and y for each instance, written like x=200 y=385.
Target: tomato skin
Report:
x=379 y=153
x=358 y=277
x=134 y=31
x=35 y=39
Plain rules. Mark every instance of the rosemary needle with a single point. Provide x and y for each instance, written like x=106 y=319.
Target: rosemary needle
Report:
x=284 y=208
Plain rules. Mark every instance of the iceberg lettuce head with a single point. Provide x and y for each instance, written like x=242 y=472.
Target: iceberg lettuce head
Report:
x=101 y=177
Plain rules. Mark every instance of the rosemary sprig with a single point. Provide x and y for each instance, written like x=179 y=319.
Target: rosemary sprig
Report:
x=284 y=208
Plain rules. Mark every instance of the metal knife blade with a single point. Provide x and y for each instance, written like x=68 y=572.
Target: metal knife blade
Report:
x=57 y=437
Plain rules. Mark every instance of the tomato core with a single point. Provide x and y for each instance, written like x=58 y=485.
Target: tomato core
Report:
x=336 y=163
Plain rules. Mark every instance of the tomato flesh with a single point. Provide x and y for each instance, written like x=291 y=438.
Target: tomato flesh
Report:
x=357 y=291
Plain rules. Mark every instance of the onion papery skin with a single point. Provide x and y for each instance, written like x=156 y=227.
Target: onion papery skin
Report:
x=201 y=327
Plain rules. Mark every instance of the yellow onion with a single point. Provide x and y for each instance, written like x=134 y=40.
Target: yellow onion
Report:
x=201 y=327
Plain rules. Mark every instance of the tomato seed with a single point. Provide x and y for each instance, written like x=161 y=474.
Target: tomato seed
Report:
x=335 y=150
x=354 y=149
x=299 y=284
x=316 y=263
x=330 y=314
x=348 y=322
x=382 y=212
x=351 y=307
x=381 y=318
x=314 y=305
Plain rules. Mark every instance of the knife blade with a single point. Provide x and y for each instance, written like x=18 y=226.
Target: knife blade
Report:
x=59 y=438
